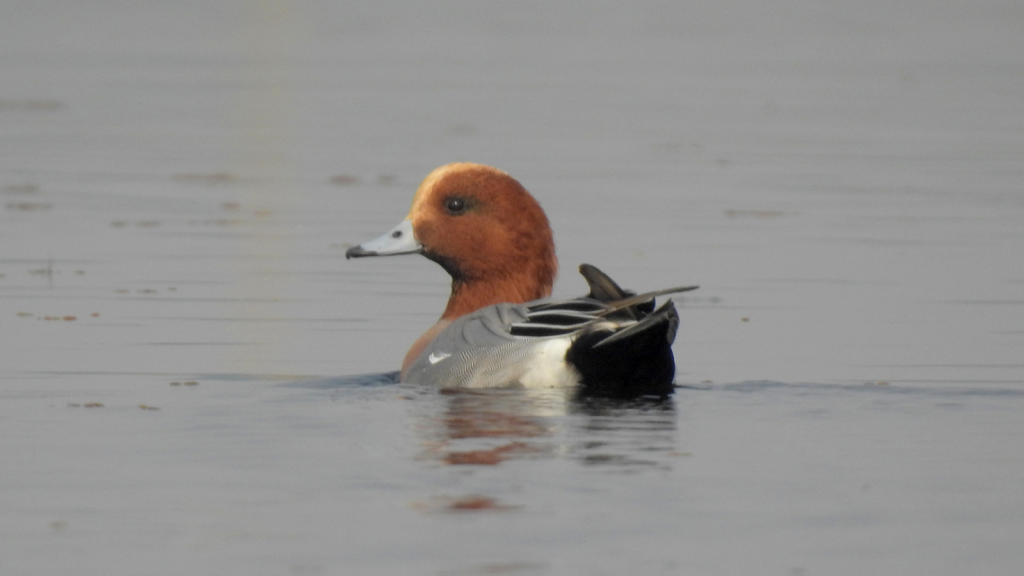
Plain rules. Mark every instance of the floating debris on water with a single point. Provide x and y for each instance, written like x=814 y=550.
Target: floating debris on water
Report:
x=29 y=206
x=757 y=214
x=31 y=105
x=215 y=178
x=20 y=189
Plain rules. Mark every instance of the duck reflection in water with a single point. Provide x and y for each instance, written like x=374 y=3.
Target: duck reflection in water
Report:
x=488 y=427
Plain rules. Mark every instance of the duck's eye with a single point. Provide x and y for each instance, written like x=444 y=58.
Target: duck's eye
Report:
x=455 y=206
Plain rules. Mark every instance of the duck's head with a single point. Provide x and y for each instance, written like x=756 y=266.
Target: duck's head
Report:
x=484 y=229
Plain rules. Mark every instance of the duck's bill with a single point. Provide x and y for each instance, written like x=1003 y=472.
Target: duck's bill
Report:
x=398 y=240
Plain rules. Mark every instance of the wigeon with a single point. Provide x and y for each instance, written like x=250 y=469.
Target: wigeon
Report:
x=500 y=328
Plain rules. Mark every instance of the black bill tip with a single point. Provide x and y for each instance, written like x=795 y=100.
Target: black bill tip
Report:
x=358 y=252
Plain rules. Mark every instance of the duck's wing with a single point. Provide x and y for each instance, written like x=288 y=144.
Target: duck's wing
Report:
x=529 y=344
x=479 y=350
x=507 y=345
x=607 y=304
x=602 y=287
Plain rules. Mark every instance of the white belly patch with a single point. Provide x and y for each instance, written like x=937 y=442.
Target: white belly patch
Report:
x=547 y=368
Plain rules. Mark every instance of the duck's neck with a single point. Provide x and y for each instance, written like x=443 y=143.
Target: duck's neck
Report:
x=471 y=295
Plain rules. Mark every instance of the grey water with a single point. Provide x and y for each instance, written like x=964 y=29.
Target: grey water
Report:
x=194 y=380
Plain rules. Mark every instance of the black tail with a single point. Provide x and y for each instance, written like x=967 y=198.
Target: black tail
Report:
x=635 y=360
x=630 y=362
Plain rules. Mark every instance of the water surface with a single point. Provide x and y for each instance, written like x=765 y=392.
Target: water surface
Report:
x=194 y=380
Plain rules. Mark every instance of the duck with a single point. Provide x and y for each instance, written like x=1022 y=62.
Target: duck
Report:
x=500 y=327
